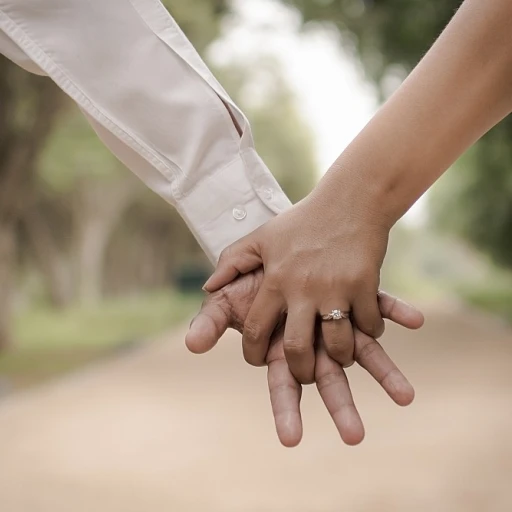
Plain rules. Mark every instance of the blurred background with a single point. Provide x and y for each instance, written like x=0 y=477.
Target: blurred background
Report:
x=94 y=268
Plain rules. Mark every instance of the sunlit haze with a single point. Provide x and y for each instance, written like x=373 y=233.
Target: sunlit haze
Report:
x=331 y=90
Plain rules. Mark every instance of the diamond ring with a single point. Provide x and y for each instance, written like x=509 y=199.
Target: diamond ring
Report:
x=337 y=314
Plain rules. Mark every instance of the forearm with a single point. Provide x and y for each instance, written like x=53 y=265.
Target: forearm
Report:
x=461 y=88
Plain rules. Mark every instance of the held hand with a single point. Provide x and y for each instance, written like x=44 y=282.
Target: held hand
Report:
x=314 y=263
x=229 y=308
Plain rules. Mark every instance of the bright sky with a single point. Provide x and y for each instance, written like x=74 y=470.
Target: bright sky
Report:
x=333 y=95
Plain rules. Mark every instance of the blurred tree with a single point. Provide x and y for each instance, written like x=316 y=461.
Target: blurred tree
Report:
x=28 y=107
x=93 y=228
x=83 y=192
x=385 y=34
x=475 y=200
x=390 y=37
x=282 y=136
x=200 y=20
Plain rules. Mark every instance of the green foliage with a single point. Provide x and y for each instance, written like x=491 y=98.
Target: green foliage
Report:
x=117 y=320
x=385 y=33
x=496 y=300
x=73 y=153
x=52 y=342
x=475 y=201
x=199 y=19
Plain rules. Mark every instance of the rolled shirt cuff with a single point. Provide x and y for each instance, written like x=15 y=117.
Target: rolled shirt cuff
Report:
x=231 y=203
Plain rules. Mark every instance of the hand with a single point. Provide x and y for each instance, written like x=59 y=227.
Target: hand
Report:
x=229 y=308
x=314 y=262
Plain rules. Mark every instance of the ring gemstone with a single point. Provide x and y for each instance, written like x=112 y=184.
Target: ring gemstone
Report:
x=336 y=314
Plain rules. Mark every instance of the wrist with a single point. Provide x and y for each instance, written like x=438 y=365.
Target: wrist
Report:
x=365 y=193
x=346 y=215
x=382 y=172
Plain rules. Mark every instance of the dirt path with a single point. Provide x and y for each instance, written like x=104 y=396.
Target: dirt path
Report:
x=162 y=430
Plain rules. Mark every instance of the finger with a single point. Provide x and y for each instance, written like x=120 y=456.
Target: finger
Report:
x=239 y=258
x=207 y=328
x=285 y=394
x=366 y=312
x=334 y=389
x=299 y=339
x=373 y=358
x=338 y=337
x=399 y=311
x=263 y=317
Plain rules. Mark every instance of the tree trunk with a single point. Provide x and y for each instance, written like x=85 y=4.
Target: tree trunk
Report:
x=52 y=261
x=28 y=108
x=98 y=210
x=7 y=271
x=91 y=241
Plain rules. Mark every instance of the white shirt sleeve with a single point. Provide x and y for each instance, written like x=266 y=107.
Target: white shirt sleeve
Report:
x=154 y=103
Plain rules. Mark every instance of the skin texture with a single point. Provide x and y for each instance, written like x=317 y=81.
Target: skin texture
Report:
x=229 y=308
x=304 y=277
x=326 y=252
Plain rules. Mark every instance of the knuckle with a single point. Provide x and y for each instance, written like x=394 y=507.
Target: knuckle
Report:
x=365 y=277
x=296 y=347
x=281 y=387
x=273 y=276
x=225 y=255
x=389 y=380
x=368 y=351
x=388 y=308
x=330 y=378
x=275 y=356
x=252 y=332
x=308 y=279
x=387 y=304
x=359 y=279
x=271 y=286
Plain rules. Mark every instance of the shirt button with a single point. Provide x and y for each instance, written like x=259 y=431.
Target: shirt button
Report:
x=239 y=213
x=268 y=194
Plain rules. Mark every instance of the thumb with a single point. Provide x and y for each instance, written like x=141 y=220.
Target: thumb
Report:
x=206 y=328
x=239 y=258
